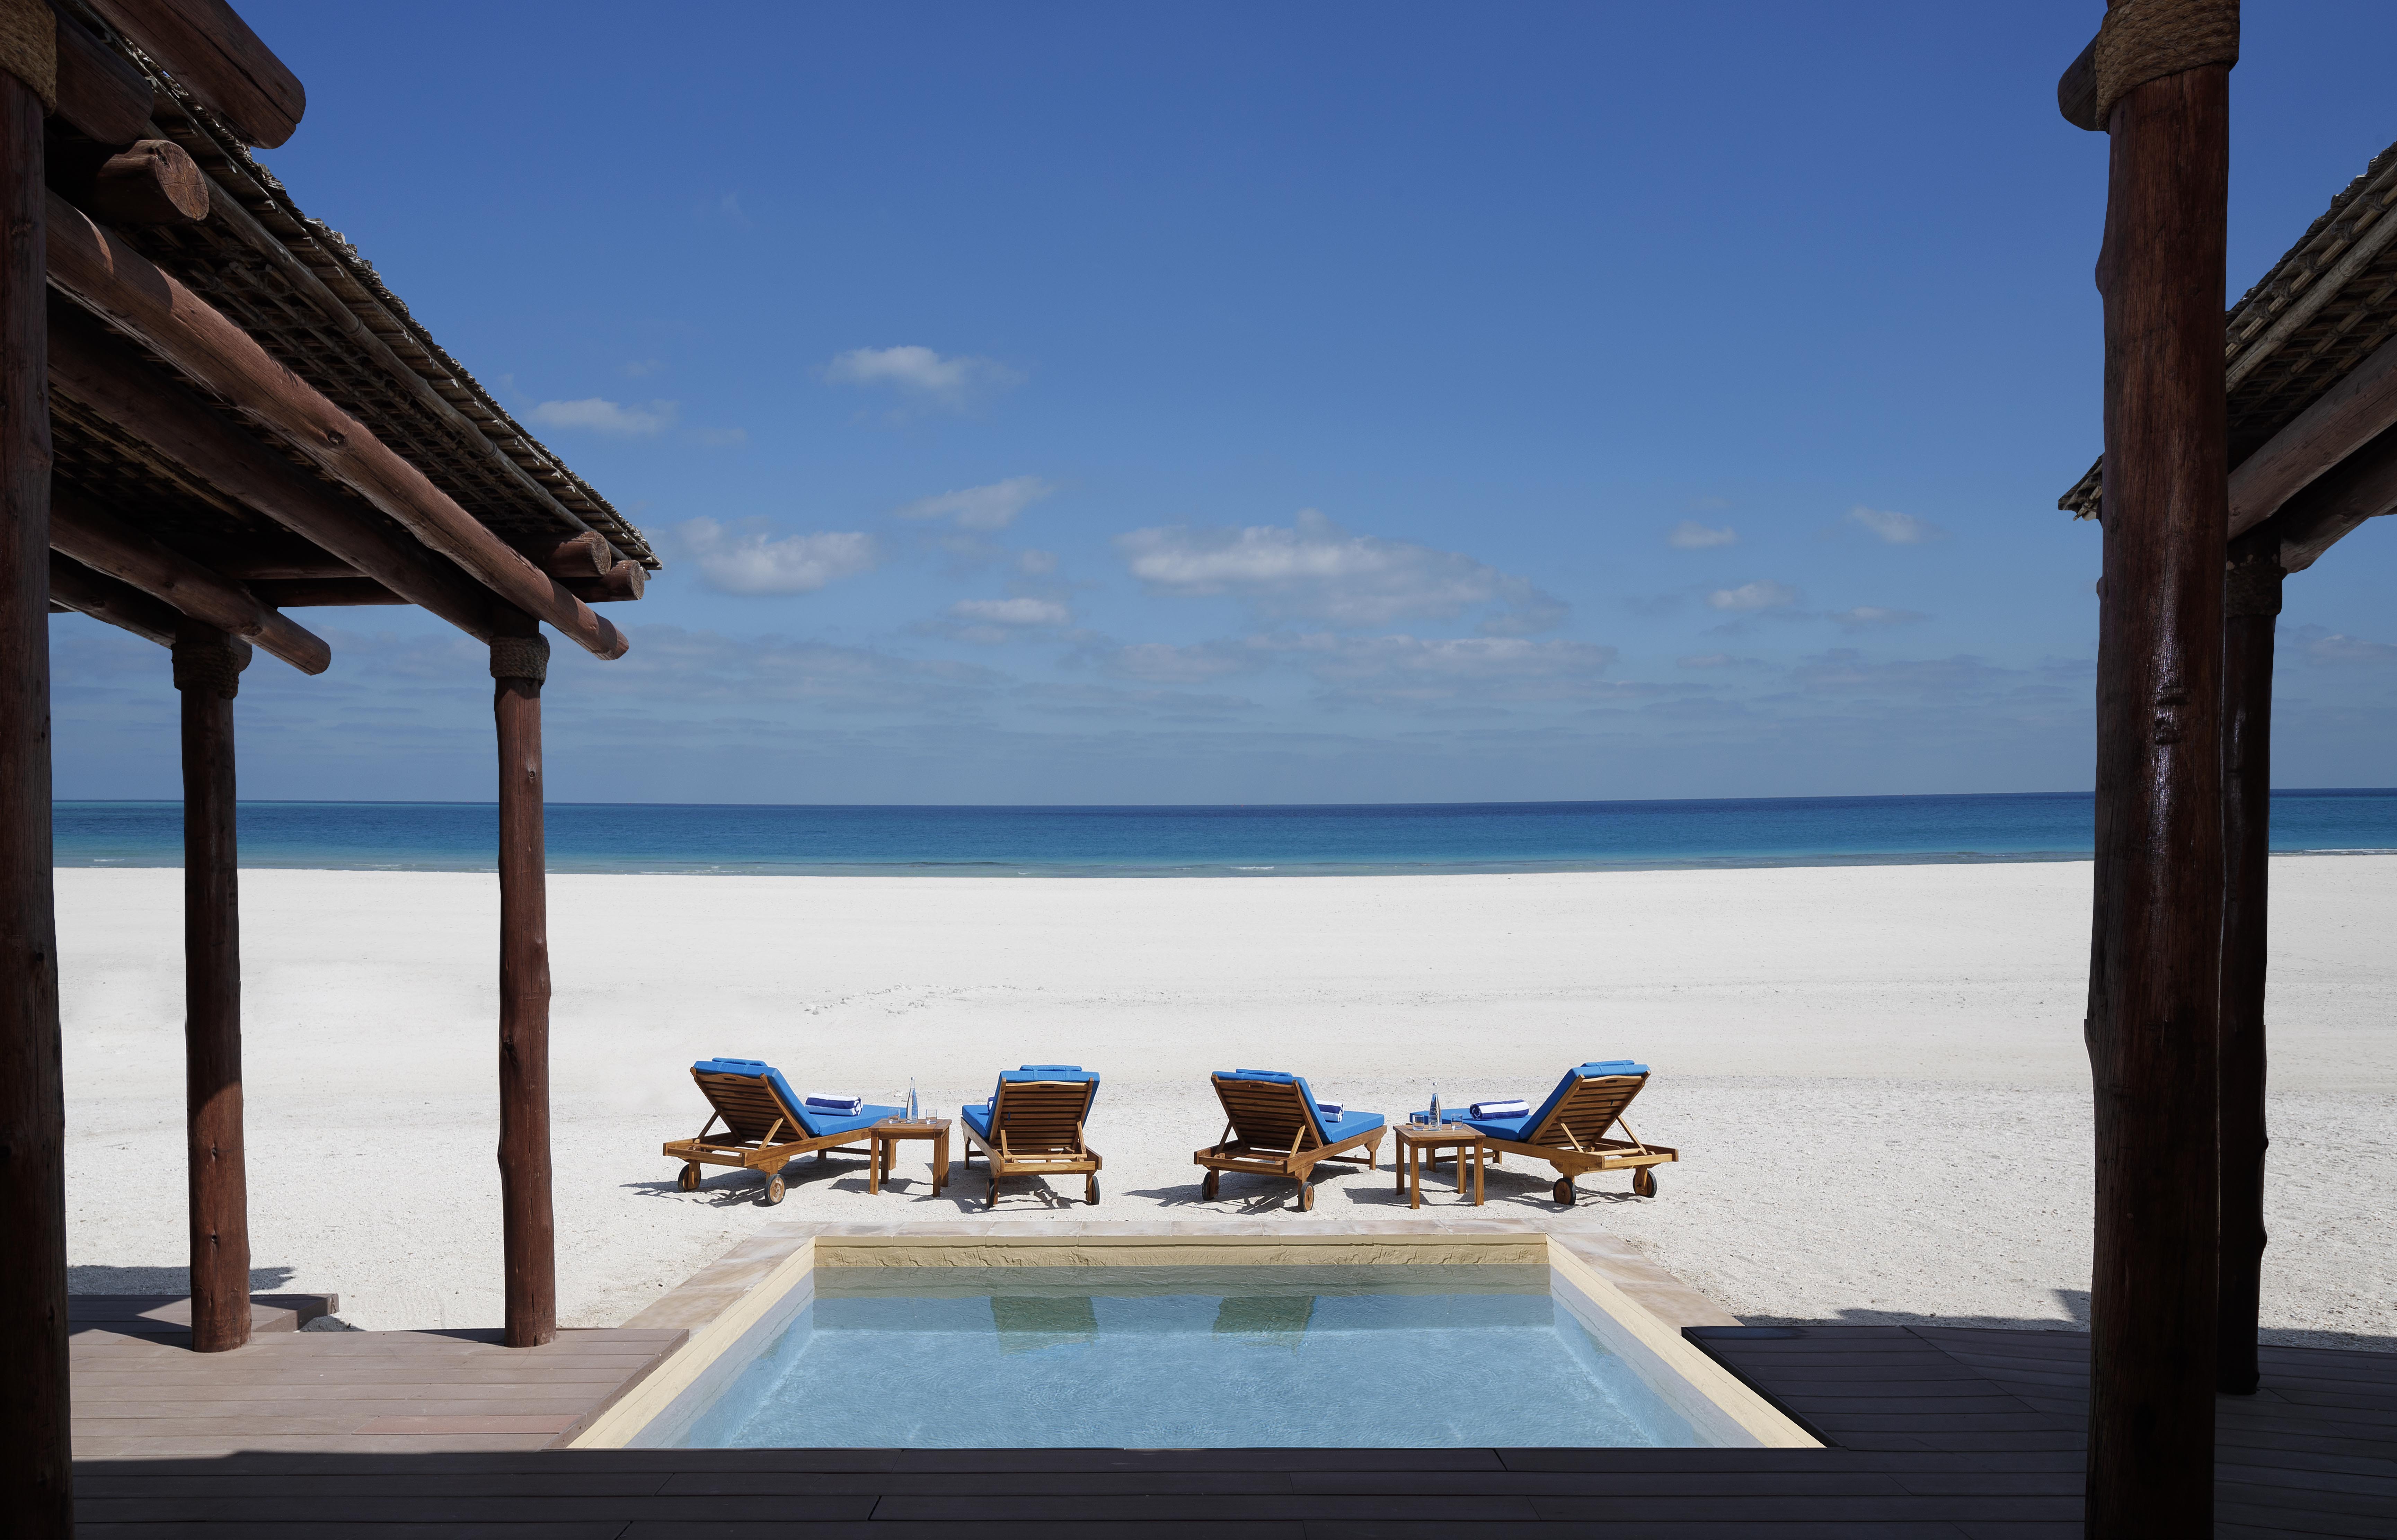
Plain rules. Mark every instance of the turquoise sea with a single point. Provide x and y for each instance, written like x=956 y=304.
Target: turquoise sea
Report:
x=1195 y=841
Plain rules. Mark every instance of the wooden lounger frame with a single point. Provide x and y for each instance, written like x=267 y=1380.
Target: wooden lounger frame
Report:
x=1277 y=1137
x=1572 y=1137
x=1036 y=1130
x=756 y=1126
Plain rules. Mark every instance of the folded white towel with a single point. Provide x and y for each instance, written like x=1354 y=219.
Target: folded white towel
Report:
x=824 y=1100
x=1517 y=1108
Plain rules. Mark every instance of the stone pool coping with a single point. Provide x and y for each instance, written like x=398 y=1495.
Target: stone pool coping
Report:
x=736 y=1305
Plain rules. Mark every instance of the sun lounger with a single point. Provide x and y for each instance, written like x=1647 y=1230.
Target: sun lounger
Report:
x=1032 y=1126
x=1569 y=1129
x=765 y=1124
x=1273 y=1126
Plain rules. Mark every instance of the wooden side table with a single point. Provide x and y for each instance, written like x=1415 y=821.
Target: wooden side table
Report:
x=883 y=1135
x=1416 y=1139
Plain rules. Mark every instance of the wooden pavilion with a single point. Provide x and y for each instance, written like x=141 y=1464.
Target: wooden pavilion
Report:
x=212 y=414
x=2233 y=457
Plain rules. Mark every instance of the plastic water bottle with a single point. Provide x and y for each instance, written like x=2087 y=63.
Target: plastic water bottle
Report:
x=1435 y=1106
x=914 y=1109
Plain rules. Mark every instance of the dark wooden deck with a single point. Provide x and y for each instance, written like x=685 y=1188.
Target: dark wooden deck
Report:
x=1938 y=1432
x=142 y=1394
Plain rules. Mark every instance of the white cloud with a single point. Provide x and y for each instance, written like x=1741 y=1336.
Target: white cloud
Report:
x=1035 y=563
x=1896 y=529
x=1012 y=612
x=1845 y=670
x=1386 y=670
x=1753 y=595
x=1166 y=664
x=1690 y=535
x=2336 y=648
x=752 y=560
x=991 y=507
x=599 y=416
x=1400 y=670
x=1866 y=616
x=922 y=374
x=741 y=674
x=1317 y=571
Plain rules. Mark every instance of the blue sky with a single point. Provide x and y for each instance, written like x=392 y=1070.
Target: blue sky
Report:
x=1233 y=404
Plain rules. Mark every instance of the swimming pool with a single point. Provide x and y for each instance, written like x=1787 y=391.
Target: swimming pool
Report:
x=1187 y=1358
x=976 y=1344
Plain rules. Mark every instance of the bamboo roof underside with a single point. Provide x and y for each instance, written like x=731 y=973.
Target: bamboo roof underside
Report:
x=2320 y=311
x=351 y=338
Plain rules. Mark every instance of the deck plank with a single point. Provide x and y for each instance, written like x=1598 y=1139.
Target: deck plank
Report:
x=1934 y=1432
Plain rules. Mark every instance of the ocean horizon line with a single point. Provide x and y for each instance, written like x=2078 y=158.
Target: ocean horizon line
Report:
x=1227 y=841
x=1177 y=806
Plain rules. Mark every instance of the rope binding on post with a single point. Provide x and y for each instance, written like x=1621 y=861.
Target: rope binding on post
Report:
x=2144 y=40
x=29 y=48
x=521 y=658
x=2252 y=586
x=210 y=662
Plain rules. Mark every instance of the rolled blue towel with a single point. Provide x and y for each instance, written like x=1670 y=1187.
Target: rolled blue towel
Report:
x=1516 y=1109
x=824 y=1101
x=1330 y=1109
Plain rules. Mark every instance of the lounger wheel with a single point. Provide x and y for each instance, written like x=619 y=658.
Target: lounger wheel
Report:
x=1643 y=1182
x=1208 y=1188
x=1090 y=1191
x=1306 y=1198
x=992 y=1201
x=773 y=1190
x=688 y=1179
x=1564 y=1191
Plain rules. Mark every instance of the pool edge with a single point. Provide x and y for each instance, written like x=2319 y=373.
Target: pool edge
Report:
x=748 y=1297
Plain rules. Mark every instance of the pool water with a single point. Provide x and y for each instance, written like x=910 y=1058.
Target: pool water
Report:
x=1186 y=1357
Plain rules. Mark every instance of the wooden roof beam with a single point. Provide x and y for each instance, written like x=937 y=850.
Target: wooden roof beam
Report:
x=229 y=211
x=99 y=271
x=103 y=598
x=99 y=371
x=92 y=535
x=212 y=54
x=2339 y=422
x=2335 y=504
x=304 y=593
x=101 y=94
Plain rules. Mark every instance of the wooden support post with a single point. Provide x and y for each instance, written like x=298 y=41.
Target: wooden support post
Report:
x=519 y=664
x=2157 y=933
x=35 y=1497
x=2250 y=609
x=207 y=673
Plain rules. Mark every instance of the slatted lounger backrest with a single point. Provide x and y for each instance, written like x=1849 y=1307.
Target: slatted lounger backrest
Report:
x=1267 y=1113
x=1040 y=1117
x=749 y=1106
x=1588 y=1110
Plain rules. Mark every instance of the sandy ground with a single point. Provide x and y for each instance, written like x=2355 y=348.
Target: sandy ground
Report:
x=1874 y=1074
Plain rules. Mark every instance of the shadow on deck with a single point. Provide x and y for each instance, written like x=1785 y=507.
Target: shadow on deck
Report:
x=1948 y=1432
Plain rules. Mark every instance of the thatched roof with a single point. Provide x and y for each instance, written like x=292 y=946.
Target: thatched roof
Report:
x=2315 y=316
x=313 y=302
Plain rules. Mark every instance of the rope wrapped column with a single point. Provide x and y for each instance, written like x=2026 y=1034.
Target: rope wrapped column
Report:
x=208 y=675
x=2251 y=612
x=2157 y=80
x=35 y=1497
x=519 y=664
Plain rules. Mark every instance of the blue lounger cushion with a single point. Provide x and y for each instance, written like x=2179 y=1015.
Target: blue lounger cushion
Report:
x=1349 y=1124
x=978 y=1119
x=1496 y=1128
x=819 y=1123
x=1521 y=1127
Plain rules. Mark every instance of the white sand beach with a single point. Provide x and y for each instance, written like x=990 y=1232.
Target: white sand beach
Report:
x=1874 y=1073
